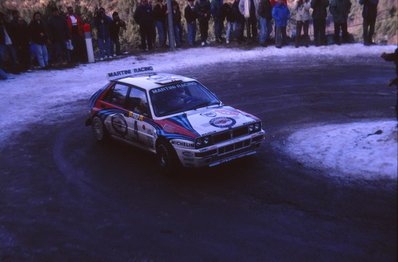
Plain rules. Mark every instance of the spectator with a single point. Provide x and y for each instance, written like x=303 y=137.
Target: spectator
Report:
x=248 y=10
x=190 y=17
x=116 y=25
x=160 y=17
x=281 y=14
x=319 y=14
x=227 y=12
x=203 y=10
x=6 y=44
x=240 y=20
x=143 y=15
x=340 y=10
x=177 y=23
x=103 y=23
x=39 y=39
x=59 y=34
x=302 y=8
x=265 y=18
x=75 y=26
x=19 y=34
x=393 y=57
x=216 y=12
x=369 y=14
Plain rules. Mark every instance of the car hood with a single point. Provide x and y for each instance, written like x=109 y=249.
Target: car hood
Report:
x=206 y=121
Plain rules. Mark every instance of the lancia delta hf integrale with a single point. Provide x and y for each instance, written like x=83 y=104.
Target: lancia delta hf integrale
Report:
x=175 y=117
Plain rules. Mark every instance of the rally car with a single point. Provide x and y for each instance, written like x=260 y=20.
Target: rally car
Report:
x=174 y=117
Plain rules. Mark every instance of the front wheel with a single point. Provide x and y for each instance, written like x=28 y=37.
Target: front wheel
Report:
x=167 y=158
x=99 y=131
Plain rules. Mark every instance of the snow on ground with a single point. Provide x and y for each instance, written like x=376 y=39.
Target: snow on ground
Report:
x=44 y=96
x=366 y=150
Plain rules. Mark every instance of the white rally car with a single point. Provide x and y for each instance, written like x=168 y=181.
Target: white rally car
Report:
x=175 y=117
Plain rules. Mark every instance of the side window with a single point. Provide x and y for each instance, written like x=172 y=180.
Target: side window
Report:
x=117 y=95
x=138 y=102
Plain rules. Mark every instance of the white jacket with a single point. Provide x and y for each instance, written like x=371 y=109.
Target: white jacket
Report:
x=302 y=11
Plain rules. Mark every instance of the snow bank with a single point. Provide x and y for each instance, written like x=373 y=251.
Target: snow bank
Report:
x=365 y=150
x=45 y=95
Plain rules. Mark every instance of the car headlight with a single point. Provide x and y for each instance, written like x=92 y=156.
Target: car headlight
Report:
x=202 y=141
x=251 y=128
x=199 y=142
x=257 y=126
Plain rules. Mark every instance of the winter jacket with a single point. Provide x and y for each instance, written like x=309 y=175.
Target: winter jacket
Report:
x=273 y=2
x=38 y=32
x=340 y=10
x=190 y=14
x=369 y=8
x=216 y=8
x=77 y=28
x=115 y=27
x=281 y=15
x=103 y=26
x=58 y=29
x=319 y=8
x=159 y=12
x=246 y=8
x=236 y=12
x=265 y=9
x=176 y=15
x=203 y=10
x=302 y=8
x=19 y=32
x=143 y=15
x=227 y=12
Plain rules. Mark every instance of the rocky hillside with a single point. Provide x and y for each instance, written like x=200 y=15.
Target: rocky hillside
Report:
x=386 y=25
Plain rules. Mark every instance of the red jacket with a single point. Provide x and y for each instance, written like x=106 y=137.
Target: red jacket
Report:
x=273 y=2
x=79 y=24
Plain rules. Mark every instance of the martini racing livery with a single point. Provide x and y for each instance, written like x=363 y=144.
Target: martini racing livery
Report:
x=175 y=117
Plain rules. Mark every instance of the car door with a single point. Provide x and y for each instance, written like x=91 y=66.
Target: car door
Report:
x=139 y=118
x=114 y=104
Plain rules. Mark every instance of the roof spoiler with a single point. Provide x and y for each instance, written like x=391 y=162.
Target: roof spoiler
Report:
x=145 y=70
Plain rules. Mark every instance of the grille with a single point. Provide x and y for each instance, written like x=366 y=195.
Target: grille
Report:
x=230 y=134
x=235 y=146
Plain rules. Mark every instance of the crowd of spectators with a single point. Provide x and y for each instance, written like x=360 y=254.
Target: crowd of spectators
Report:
x=59 y=40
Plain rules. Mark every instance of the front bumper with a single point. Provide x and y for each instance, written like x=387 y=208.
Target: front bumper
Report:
x=220 y=153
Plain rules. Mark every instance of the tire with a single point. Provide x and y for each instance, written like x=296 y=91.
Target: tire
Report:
x=99 y=130
x=167 y=158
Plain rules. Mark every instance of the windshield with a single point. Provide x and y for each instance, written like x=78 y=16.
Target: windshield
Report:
x=176 y=98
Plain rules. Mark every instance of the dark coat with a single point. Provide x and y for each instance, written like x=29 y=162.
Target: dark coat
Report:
x=58 y=29
x=340 y=10
x=215 y=8
x=190 y=14
x=369 y=10
x=319 y=8
x=115 y=27
x=236 y=12
x=176 y=16
x=265 y=9
x=227 y=13
x=203 y=10
x=159 y=13
x=38 y=32
x=103 y=24
x=143 y=15
x=19 y=32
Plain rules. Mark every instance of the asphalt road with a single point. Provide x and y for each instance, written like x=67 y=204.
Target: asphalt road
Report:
x=65 y=198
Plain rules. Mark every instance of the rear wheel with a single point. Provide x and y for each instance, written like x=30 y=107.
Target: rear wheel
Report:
x=99 y=130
